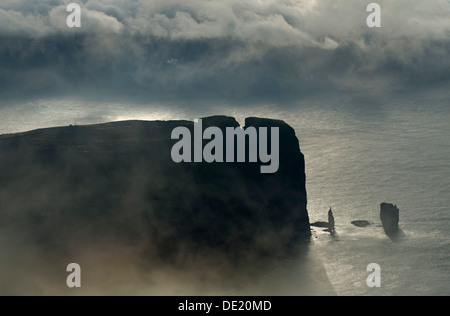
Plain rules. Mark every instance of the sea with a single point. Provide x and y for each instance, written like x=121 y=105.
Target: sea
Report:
x=359 y=153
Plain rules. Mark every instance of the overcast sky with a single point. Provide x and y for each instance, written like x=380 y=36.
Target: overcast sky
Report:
x=236 y=50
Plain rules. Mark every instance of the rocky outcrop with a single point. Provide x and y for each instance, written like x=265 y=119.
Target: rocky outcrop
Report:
x=361 y=223
x=117 y=181
x=390 y=216
x=321 y=224
x=331 y=221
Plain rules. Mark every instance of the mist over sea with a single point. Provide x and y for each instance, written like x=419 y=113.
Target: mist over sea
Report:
x=357 y=156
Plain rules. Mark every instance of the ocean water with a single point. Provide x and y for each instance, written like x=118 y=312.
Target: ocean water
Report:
x=355 y=162
x=356 y=158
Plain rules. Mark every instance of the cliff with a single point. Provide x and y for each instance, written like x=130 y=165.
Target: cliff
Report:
x=390 y=217
x=117 y=181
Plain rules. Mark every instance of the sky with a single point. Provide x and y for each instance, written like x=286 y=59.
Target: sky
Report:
x=243 y=52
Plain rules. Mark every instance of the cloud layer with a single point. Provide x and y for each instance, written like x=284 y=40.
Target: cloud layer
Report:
x=228 y=49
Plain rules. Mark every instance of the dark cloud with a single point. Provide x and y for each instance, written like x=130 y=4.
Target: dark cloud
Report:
x=221 y=50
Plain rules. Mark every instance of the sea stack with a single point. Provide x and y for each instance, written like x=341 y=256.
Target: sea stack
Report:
x=390 y=215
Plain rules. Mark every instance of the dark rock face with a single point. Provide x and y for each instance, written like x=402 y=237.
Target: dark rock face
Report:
x=61 y=186
x=331 y=222
x=390 y=216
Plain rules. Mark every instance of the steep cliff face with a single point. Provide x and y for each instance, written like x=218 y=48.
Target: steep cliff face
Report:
x=117 y=181
x=390 y=217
